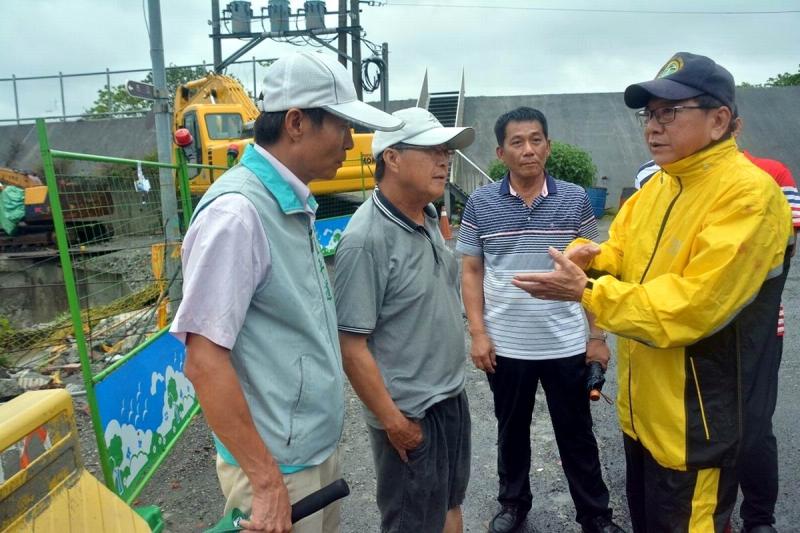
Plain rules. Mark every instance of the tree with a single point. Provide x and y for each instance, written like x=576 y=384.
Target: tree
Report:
x=784 y=80
x=566 y=162
x=115 y=102
x=780 y=80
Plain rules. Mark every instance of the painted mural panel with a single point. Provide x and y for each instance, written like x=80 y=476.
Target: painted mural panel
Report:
x=143 y=405
x=329 y=231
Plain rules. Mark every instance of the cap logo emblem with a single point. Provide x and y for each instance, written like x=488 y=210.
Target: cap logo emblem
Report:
x=673 y=65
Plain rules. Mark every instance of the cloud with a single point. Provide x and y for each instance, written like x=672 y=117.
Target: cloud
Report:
x=502 y=51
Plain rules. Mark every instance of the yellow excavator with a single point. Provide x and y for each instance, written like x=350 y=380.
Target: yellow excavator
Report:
x=218 y=113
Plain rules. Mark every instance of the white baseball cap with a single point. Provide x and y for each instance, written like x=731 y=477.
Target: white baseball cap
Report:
x=421 y=128
x=308 y=80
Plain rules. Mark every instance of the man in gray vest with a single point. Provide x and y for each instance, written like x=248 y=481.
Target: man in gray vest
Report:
x=257 y=314
x=402 y=335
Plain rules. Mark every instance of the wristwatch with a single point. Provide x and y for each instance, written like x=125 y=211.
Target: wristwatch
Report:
x=602 y=336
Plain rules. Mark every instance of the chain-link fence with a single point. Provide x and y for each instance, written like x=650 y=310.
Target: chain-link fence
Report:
x=62 y=96
x=100 y=285
x=111 y=270
x=113 y=231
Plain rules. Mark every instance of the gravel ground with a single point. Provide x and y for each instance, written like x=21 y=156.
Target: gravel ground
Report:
x=186 y=489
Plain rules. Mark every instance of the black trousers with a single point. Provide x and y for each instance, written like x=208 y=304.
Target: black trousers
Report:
x=757 y=466
x=514 y=385
x=661 y=500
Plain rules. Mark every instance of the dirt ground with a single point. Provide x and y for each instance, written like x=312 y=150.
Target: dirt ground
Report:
x=186 y=489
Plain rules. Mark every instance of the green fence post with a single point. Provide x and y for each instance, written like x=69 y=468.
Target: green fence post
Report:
x=186 y=193
x=73 y=299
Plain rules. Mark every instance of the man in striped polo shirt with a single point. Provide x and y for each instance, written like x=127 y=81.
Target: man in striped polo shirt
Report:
x=518 y=340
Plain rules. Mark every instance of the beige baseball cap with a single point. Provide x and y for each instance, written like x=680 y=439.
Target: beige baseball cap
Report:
x=421 y=128
x=309 y=80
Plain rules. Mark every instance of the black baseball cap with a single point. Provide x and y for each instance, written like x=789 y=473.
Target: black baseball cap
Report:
x=685 y=76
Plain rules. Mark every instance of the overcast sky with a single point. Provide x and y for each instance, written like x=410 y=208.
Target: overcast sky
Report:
x=505 y=47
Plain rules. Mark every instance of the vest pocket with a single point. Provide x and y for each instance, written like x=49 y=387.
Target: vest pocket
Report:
x=296 y=403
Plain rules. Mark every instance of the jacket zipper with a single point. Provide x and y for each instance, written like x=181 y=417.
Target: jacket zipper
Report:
x=644 y=274
x=700 y=398
x=661 y=229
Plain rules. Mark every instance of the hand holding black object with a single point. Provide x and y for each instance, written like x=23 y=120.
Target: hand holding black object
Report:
x=595 y=379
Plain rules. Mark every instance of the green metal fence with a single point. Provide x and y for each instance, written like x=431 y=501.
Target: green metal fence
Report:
x=109 y=300
x=108 y=223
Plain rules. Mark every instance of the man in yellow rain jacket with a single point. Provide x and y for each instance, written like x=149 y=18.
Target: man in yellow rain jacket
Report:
x=690 y=280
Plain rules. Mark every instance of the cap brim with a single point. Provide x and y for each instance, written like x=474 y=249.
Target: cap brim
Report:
x=637 y=95
x=365 y=114
x=454 y=138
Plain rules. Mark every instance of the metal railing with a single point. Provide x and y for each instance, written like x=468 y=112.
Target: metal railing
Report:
x=14 y=80
x=468 y=176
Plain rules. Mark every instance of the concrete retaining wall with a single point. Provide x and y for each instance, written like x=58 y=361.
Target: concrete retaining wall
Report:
x=599 y=123
x=127 y=137
x=609 y=131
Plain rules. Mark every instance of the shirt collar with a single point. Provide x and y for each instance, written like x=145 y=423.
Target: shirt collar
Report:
x=549 y=187
x=699 y=164
x=395 y=215
x=297 y=196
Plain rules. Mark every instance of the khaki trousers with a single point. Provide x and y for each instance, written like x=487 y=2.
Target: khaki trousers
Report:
x=239 y=494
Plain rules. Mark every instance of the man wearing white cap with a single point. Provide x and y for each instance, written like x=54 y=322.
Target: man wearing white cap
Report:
x=401 y=331
x=257 y=313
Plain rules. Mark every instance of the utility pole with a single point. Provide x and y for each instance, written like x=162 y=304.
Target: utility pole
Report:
x=356 y=46
x=314 y=32
x=342 y=34
x=385 y=79
x=215 y=33
x=169 y=203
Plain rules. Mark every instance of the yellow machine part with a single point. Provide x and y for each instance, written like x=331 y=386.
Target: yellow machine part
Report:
x=357 y=171
x=209 y=98
x=18 y=178
x=36 y=195
x=43 y=485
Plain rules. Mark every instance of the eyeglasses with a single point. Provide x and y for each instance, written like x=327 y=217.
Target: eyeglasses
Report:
x=440 y=150
x=664 y=115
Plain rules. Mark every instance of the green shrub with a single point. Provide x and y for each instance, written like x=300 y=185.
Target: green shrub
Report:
x=497 y=169
x=566 y=162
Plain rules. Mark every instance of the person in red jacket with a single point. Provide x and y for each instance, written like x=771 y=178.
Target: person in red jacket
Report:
x=757 y=468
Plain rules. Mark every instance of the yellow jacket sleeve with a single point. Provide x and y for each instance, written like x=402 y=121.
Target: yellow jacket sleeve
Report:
x=740 y=244
x=609 y=260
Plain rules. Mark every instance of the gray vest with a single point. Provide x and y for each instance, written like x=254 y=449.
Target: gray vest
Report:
x=287 y=355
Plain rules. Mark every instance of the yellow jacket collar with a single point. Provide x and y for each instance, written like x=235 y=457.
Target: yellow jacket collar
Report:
x=700 y=163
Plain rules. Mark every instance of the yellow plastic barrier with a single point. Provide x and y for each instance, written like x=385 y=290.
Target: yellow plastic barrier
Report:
x=43 y=485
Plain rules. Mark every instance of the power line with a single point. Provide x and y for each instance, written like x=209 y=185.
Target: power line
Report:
x=589 y=10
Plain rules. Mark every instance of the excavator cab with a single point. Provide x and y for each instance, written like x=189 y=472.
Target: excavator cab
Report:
x=217 y=112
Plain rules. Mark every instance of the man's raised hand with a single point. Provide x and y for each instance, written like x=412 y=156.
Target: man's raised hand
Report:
x=583 y=254
x=565 y=283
